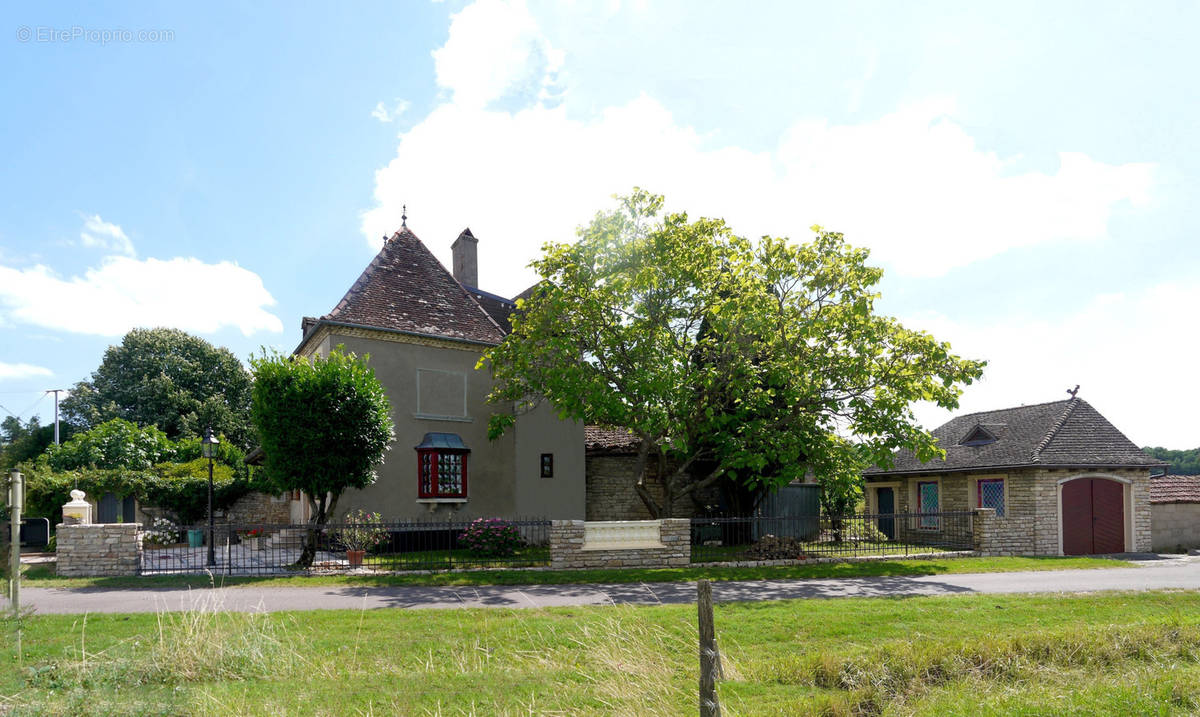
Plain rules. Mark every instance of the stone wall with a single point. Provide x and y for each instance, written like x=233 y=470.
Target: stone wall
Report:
x=611 y=478
x=990 y=537
x=569 y=549
x=1175 y=526
x=259 y=508
x=104 y=549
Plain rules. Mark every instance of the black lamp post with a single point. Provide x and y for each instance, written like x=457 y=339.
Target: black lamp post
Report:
x=209 y=445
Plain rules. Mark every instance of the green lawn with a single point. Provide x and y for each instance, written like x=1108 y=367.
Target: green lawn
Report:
x=960 y=655
x=43 y=575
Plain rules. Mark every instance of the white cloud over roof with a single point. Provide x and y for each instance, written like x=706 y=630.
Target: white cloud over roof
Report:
x=912 y=185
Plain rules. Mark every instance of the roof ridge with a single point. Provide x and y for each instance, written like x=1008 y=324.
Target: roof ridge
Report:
x=1041 y=446
x=1014 y=408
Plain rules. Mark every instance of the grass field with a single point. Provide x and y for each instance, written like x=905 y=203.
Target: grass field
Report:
x=977 y=655
x=44 y=576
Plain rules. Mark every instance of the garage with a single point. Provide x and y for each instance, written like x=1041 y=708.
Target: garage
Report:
x=1093 y=516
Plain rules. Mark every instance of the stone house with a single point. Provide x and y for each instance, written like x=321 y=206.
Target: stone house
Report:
x=1175 y=512
x=425 y=329
x=1061 y=479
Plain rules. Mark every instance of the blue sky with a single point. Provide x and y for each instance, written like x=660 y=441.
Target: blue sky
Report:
x=1024 y=172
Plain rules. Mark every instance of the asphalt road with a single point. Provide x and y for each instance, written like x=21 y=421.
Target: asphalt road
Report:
x=1180 y=572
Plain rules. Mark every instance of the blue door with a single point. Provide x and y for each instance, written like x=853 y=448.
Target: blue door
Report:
x=886 y=499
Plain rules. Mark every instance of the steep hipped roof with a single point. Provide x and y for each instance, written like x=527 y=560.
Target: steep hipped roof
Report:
x=1062 y=433
x=406 y=288
x=497 y=307
x=1175 y=489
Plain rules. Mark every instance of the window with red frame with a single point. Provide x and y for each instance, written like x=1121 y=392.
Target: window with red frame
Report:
x=991 y=494
x=441 y=473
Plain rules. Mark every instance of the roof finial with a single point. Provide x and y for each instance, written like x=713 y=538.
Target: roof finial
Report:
x=404 y=216
x=1073 y=391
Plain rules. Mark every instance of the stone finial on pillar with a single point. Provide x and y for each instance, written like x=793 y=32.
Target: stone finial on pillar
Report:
x=77 y=511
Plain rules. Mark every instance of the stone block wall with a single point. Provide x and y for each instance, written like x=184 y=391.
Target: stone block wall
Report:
x=104 y=549
x=1175 y=526
x=610 y=480
x=994 y=535
x=568 y=548
x=255 y=507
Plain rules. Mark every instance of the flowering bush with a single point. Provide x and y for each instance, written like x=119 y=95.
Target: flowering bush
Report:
x=254 y=533
x=491 y=538
x=361 y=530
x=163 y=531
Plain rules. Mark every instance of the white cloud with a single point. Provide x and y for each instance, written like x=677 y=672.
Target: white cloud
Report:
x=11 y=371
x=123 y=293
x=1127 y=351
x=105 y=235
x=385 y=114
x=911 y=185
x=495 y=50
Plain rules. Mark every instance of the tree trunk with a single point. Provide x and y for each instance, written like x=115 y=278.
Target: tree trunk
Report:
x=322 y=509
x=643 y=463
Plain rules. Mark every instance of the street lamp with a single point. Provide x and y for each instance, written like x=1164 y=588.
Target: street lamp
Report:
x=209 y=446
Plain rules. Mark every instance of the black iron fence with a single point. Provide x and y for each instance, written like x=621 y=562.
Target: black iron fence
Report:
x=829 y=536
x=277 y=549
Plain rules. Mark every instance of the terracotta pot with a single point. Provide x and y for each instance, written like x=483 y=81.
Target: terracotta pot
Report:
x=355 y=557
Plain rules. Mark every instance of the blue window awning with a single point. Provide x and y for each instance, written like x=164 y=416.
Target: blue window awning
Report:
x=443 y=442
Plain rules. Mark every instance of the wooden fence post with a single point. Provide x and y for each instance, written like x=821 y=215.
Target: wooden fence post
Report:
x=709 y=659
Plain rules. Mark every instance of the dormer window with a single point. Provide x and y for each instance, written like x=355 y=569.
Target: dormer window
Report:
x=978 y=436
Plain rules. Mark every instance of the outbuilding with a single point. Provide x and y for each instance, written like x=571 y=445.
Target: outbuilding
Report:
x=1060 y=477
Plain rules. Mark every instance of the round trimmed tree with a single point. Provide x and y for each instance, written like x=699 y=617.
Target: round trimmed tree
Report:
x=324 y=425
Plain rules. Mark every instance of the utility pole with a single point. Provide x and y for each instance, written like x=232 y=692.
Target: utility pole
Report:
x=16 y=495
x=55 y=391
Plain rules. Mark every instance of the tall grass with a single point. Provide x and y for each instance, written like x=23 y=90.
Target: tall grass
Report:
x=872 y=681
x=198 y=645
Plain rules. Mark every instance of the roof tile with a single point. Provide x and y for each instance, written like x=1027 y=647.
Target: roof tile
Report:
x=1175 y=489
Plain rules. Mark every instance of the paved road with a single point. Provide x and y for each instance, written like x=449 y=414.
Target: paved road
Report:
x=1181 y=572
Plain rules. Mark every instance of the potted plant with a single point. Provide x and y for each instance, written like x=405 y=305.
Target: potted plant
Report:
x=360 y=530
x=250 y=538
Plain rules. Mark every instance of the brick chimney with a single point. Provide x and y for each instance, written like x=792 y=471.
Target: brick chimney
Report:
x=466 y=261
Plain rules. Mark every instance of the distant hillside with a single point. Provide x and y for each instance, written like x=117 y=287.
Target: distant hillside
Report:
x=1184 y=463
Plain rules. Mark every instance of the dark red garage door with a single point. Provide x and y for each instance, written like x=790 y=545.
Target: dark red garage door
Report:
x=1093 y=513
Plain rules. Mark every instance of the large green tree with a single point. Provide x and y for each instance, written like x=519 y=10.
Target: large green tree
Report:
x=22 y=442
x=796 y=372
x=1185 y=462
x=324 y=424
x=169 y=379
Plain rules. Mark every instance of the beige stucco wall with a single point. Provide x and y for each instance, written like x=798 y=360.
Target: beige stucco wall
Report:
x=1176 y=526
x=561 y=497
x=503 y=476
x=1030 y=525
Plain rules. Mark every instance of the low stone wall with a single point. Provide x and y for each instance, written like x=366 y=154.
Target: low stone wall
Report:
x=569 y=547
x=104 y=549
x=997 y=536
x=1175 y=526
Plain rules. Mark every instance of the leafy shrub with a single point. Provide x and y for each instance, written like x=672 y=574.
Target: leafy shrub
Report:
x=491 y=538
x=113 y=444
x=163 y=531
x=120 y=458
x=361 y=530
x=864 y=530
